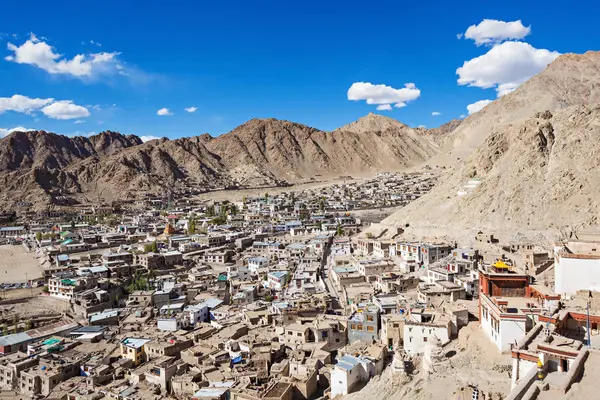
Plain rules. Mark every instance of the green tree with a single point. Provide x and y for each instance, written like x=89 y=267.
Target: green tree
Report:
x=218 y=220
x=15 y=323
x=267 y=197
x=45 y=289
x=210 y=211
x=369 y=235
x=28 y=325
x=192 y=226
x=72 y=224
x=339 y=231
x=151 y=247
x=152 y=274
x=38 y=236
x=322 y=204
x=4 y=330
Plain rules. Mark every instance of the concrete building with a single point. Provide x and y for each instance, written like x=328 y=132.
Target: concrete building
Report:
x=134 y=349
x=504 y=293
x=348 y=373
x=363 y=325
x=430 y=253
x=256 y=263
x=420 y=328
x=576 y=267
x=66 y=284
x=277 y=280
x=40 y=380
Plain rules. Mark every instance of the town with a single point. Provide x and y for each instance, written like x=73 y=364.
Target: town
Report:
x=284 y=296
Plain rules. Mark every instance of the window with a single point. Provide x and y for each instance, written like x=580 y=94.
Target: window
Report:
x=370 y=329
x=352 y=326
x=425 y=338
x=410 y=329
x=410 y=339
x=370 y=318
x=299 y=334
x=359 y=327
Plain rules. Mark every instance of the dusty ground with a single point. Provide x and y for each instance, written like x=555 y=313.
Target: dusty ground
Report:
x=17 y=265
x=22 y=303
x=471 y=360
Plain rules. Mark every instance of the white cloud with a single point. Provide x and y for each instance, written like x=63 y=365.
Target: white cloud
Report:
x=84 y=66
x=505 y=66
x=65 y=109
x=164 y=112
x=5 y=132
x=477 y=106
x=384 y=107
x=96 y=43
x=436 y=113
x=422 y=127
x=461 y=116
x=148 y=138
x=382 y=94
x=490 y=31
x=22 y=104
x=79 y=121
x=191 y=109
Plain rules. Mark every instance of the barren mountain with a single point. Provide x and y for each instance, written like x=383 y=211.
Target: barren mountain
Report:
x=41 y=167
x=532 y=159
x=572 y=79
x=442 y=133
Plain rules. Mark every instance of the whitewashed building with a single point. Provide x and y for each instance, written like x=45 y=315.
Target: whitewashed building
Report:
x=502 y=321
x=420 y=329
x=255 y=263
x=576 y=267
x=348 y=373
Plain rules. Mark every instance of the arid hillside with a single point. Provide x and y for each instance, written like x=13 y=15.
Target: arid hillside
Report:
x=43 y=168
x=528 y=161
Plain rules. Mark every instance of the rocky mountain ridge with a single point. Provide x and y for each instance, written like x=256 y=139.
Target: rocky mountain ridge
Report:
x=528 y=161
x=40 y=167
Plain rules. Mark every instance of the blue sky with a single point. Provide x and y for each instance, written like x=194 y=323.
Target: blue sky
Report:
x=237 y=60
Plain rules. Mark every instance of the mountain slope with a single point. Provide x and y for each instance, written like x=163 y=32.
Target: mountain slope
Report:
x=40 y=167
x=525 y=167
x=572 y=79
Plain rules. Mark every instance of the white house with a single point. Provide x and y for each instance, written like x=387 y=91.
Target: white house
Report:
x=255 y=263
x=576 y=267
x=276 y=280
x=196 y=313
x=348 y=373
x=418 y=334
x=172 y=324
x=238 y=273
x=502 y=322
